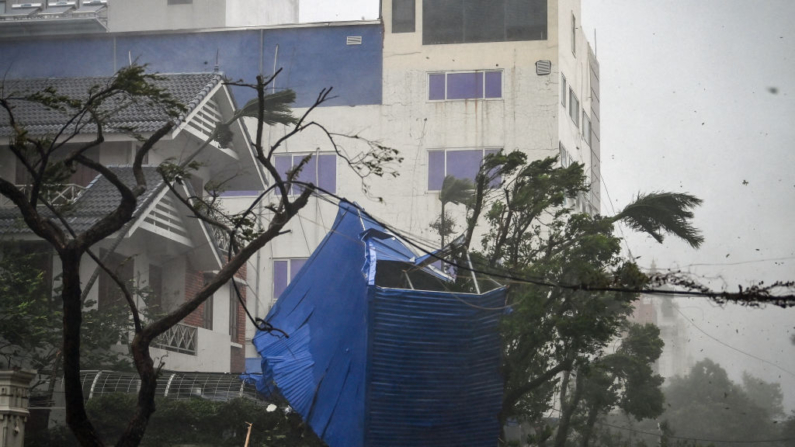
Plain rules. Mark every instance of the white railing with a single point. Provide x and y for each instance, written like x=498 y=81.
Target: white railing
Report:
x=179 y=338
x=57 y=195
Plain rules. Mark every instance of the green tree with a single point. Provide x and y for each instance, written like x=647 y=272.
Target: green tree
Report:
x=558 y=322
x=623 y=379
x=49 y=160
x=454 y=191
x=706 y=404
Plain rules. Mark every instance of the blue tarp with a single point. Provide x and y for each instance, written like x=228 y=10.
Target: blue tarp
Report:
x=367 y=365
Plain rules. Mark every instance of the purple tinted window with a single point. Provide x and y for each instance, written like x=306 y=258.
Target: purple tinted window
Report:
x=436 y=86
x=494 y=84
x=435 y=170
x=307 y=174
x=464 y=164
x=464 y=85
x=280 y=280
x=498 y=180
x=295 y=267
x=327 y=173
x=283 y=164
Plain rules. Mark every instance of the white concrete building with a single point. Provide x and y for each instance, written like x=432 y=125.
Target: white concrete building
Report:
x=531 y=86
x=442 y=82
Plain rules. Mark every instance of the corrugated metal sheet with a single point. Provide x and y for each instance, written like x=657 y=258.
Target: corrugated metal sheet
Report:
x=434 y=377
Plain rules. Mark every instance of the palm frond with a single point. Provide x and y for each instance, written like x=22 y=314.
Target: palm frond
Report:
x=658 y=213
x=276 y=107
x=456 y=190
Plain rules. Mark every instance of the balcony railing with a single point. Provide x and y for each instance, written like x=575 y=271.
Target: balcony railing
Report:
x=57 y=195
x=180 y=338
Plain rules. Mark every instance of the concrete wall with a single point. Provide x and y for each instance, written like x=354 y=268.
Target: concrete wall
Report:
x=145 y=15
x=261 y=12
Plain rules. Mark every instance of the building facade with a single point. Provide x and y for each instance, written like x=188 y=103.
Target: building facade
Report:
x=445 y=83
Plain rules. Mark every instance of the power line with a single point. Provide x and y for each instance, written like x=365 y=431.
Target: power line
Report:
x=732 y=347
x=781 y=300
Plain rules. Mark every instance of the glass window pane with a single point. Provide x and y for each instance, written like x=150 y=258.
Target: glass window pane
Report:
x=283 y=164
x=526 y=20
x=327 y=172
x=308 y=173
x=435 y=170
x=484 y=20
x=494 y=84
x=464 y=164
x=295 y=266
x=279 y=277
x=442 y=22
x=563 y=88
x=436 y=86
x=464 y=85
x=402 y=16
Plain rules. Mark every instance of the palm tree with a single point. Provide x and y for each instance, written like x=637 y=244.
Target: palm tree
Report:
x=657 y=213
x=456 y=191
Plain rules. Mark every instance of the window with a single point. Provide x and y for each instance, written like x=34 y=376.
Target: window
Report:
x=403 y=16
x=573 y=35
x=586 y=128
x=284 y=272
x=321 y=170
x=233 y=309
x=207 y=312
x=468 y=21
x=563 y=88
x=180 y=2
x=574 y=108
x=460 y=163
x=465 y=85
x=565 y=158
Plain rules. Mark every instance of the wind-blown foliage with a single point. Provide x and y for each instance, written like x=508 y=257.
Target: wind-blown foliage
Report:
x=531 y=232
x=658 y=213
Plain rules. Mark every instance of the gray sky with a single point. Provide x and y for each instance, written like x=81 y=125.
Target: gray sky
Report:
x=698 y=97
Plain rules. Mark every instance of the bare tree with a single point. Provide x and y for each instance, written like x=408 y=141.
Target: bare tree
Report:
x=48 y=161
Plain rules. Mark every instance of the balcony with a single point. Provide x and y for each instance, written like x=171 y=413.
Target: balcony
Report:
x=180 y=338
x=57 y=195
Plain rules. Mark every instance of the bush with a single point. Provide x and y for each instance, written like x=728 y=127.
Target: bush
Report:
x=195 y=422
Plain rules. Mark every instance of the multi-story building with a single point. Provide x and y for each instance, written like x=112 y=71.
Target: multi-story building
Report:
x=445 y=83
x=53 y=17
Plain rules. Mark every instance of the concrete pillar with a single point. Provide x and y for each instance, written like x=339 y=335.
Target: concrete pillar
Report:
x=14 y=392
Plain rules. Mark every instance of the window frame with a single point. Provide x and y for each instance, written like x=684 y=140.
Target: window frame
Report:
x=316 y=156
x=483 y=87
x=574 y=114
x=455 y=149
x=289 y=272
x=573 y=34
x=564 y=88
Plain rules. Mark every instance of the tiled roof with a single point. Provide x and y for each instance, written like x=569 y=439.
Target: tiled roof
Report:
x=189 y=89
x=97 y=201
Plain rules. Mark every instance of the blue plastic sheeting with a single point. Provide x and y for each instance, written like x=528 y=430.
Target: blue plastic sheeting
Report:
x=372 y=366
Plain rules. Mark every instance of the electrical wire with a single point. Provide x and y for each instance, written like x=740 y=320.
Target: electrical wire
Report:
x=787 y=300
x=732 y=347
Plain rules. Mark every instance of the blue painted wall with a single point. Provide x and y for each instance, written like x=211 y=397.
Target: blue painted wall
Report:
x=311 y=57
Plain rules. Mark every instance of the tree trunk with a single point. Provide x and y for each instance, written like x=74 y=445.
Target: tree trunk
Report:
x=567 y=411
x=76 y=416
x=146 y=395
x=588 y=432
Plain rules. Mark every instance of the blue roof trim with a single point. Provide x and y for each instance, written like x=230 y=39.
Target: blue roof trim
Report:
x=312 y=58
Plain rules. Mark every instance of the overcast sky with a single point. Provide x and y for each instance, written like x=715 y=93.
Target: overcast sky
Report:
x=698 y=97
